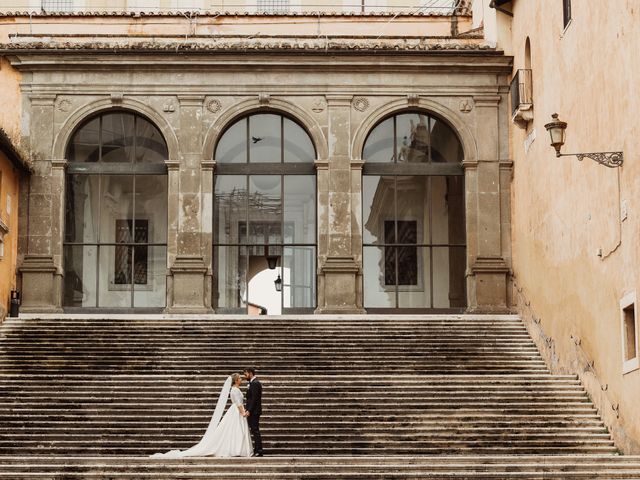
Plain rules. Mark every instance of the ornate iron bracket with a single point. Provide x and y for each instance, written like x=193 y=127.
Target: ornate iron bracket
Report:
x=608 y=159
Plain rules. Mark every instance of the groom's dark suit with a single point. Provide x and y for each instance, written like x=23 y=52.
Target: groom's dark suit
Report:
x=254 y=407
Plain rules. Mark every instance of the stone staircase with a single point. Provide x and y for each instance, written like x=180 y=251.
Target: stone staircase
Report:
x=464 y=396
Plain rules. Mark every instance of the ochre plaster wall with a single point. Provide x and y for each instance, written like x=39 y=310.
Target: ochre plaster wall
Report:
x=574 y=258
x=9 y=179
x=10 y=100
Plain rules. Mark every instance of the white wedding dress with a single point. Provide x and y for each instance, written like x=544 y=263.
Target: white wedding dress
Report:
x=229 y=437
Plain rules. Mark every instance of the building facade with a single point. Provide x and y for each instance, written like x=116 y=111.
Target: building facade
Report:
x=372 y=169
x=574 y=223
x=281 y=161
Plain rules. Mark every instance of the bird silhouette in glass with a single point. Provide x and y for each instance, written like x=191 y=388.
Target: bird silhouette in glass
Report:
x=256 y=139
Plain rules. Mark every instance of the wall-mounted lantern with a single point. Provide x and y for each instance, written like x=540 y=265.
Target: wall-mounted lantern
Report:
x=278 y=283
x=272 y=260
x=556 y=129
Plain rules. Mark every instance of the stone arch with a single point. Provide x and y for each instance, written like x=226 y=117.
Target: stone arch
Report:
x=459 y=126
x=250 y=106
x=102 y=106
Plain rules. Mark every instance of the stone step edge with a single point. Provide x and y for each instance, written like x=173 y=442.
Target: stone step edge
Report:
x=314 y=376
x=214 y=316
x=317 y=459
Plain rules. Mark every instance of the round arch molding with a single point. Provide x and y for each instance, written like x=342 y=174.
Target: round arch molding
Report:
x=254 y=106
x=102 y=106
x=467 y=139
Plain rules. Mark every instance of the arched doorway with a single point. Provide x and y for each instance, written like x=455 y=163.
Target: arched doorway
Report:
x=414 y=240
x=115 y=239
x=265 y=217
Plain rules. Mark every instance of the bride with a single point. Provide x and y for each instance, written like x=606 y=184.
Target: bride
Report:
x=229 y=437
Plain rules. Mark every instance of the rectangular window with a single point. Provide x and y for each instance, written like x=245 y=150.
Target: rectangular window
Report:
x=629 y=333
x=57 y=5
x=630 y=360
x=273 y=6
x=566 y=12
x=131 y=260
x=405 y=258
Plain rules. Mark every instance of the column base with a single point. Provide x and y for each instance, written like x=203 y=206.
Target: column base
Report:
x=188 y=293
x=488 y=286
x=338 y=279
x=41 y=285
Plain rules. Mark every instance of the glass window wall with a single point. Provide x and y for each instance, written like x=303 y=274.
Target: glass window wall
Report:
x=414 y=247
x=115 y=243
x=263 y=218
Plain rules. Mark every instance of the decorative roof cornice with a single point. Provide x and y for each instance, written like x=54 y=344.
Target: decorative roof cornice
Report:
x=253 y=45
x=15 y=155
x=461 y=12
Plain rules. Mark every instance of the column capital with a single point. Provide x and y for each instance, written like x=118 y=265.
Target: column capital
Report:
x=321 y=164
x=487 y=101
x=339 y=100
x=172 y=165
x=42 y=99
x=208 y=165
x=191 y=100
x=357 y=164
x=60 y=164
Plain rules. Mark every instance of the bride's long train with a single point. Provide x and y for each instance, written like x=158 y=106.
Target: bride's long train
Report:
x=226 y=436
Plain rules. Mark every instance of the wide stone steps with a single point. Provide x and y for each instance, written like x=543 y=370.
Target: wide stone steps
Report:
x=356 y=386
x=317 y=468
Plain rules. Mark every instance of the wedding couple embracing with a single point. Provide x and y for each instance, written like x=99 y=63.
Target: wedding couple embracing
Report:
x=230 y=435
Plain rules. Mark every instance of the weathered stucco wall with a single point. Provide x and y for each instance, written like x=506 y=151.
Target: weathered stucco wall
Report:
x=575 y=250
x=219 y=26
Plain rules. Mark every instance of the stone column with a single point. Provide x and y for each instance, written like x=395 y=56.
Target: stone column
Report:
x=41 y=269
x=188 y=292
x=489 y=269
x=339 y=270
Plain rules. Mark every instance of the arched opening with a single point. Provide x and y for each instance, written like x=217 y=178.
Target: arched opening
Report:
x=264 y=212
x=414 y=236
x=115 y=239
x=527 y=54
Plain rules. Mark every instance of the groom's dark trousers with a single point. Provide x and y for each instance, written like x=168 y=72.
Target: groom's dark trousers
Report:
x=254 y=407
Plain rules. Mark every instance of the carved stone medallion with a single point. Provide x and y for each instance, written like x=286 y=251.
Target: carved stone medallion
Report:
x=214 y=105
x=318 y=106
x=64 y=105
x=360 y=103
x=466 y=105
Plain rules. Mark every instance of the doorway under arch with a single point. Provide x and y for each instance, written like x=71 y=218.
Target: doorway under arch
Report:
x=264 y=216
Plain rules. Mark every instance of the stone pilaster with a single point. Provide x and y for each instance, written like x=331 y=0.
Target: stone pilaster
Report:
x=488 y=275
x=188 y=290
x=41 y=268
x=339 y=271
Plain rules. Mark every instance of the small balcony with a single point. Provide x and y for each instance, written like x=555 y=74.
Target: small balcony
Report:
x=521 y=98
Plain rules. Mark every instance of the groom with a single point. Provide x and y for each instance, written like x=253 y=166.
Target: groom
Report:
x=254 y=409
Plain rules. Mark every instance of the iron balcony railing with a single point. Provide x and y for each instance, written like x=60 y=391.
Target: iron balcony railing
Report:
x=521 y=92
